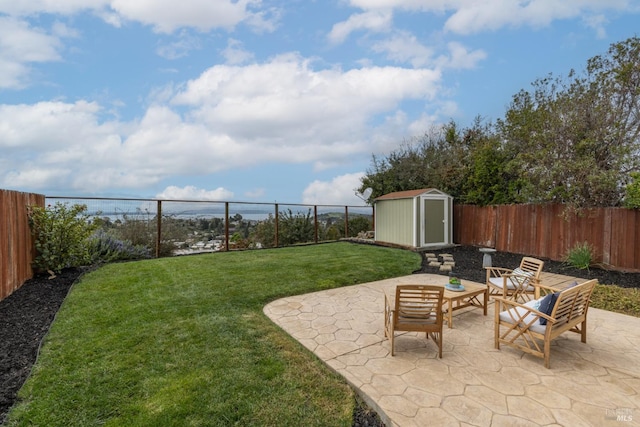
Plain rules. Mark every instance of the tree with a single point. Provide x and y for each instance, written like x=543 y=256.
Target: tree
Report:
x=573 y=140
x=264 y=233
x=434 y=160
x=576 y=139
x=488 y=182
x=467 y=163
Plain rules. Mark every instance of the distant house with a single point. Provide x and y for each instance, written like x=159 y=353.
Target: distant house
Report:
x=415 y=218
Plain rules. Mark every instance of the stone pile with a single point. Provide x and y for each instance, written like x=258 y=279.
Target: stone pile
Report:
x=444 y=263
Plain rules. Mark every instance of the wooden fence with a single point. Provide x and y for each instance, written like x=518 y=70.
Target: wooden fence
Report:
x=547 y=231
x=16 y=243
x=537 y=230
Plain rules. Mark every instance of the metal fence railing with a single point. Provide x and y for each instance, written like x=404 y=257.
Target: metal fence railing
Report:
x=176 y=227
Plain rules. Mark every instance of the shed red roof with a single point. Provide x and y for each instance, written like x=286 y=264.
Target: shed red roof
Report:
x=404 y=194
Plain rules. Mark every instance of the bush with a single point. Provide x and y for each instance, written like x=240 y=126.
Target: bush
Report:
x=61 y=235
x=632 y=192
x=295 y=228
x=580 y=256
x=106 y=248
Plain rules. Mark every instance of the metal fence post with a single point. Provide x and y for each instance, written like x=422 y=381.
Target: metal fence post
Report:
x=226 y=226
x=315 y=221
x=373 y=218
x=159 y=228
x=276 y=226
x=346 y=221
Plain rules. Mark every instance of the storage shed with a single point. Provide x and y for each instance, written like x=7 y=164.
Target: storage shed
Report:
x=417 y=218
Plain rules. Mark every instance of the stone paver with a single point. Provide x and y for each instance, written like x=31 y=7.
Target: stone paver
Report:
x=592 y=384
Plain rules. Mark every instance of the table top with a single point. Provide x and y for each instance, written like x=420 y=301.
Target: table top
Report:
x=469 y=289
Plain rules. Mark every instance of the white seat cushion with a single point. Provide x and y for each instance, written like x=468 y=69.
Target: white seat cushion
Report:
x=505 y=316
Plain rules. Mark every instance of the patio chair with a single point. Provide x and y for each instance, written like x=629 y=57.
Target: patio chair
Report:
x=532 y=326
x=416 y=308
x=517 y=284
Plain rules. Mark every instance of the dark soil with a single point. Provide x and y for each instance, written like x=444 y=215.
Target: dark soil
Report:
x=469 y=266
x=26 y=314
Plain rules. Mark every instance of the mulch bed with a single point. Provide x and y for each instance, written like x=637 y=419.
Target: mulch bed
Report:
x=25 y=316
x=469 y=266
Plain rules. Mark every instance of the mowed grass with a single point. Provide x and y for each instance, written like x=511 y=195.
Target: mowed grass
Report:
x=184 y=342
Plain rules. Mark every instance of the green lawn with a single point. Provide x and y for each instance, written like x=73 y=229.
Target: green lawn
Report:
x=184 y=341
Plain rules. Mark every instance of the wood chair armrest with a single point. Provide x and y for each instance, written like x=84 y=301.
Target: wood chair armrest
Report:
x=497 y=271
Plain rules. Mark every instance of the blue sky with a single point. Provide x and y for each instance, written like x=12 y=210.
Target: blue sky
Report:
x=263 y=101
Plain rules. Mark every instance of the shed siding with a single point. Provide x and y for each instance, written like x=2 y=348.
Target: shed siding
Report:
x=394 y=221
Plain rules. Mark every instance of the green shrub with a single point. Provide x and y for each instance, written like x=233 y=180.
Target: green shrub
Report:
x=106 y=248
x=61 y=234
x=632 y=192
x=580 y=256
x=295 y=228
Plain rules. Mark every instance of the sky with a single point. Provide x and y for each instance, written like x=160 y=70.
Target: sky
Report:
x=264 y=100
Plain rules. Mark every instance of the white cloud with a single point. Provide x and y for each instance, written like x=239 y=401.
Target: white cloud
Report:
x=229 y=117
x=470 y=17
x=264 y=21
x=475 y=17
x=598 y=23
x=32 y=176
x=62 y=30
x=341 y=190
x=165 y=16
x=235 y=54
x=376 y=21
x=62 y=7
x=460 y=58
x=404 y=47
x=168 y=15
x=190 y=192
x=285 y=106
x=48 y=125
x=180 y=47
x=20 y=46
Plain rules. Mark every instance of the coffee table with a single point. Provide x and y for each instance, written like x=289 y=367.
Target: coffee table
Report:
x=455 y=300
x=469 y=297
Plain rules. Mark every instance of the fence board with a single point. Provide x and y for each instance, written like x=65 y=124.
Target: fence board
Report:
x=16 y=243
x=636 y=244
x=547 y=231
x=623 y=245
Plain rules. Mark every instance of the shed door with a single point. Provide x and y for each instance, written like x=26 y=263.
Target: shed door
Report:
x=434 y=221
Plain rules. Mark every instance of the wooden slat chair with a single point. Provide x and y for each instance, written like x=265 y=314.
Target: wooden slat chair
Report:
x=527 y=327
x=518 y=284
x=416 y=308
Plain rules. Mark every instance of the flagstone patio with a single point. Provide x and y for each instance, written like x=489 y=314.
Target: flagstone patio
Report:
x=592 y=384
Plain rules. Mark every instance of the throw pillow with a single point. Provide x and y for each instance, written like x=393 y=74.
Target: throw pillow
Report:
x=520 y=277
x=547 y=304
x=521 y=272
